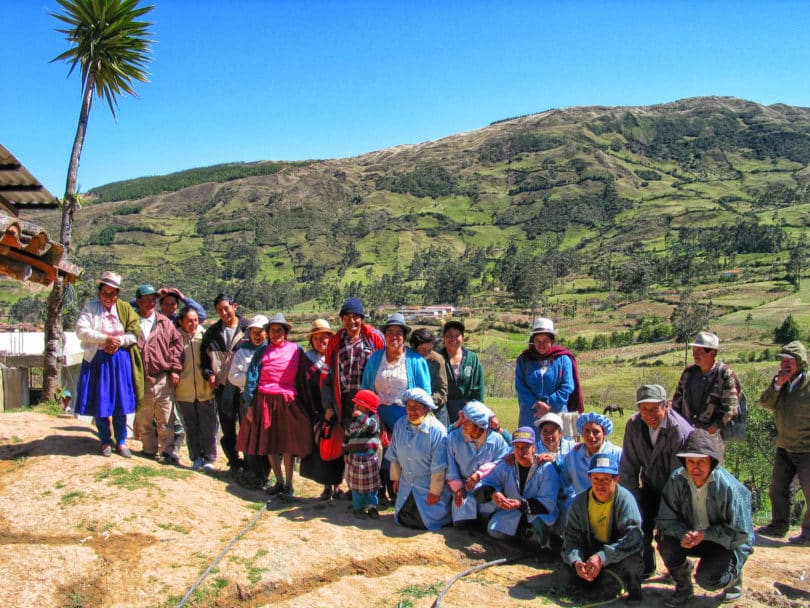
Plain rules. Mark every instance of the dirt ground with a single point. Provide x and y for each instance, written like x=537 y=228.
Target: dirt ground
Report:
x=81 y=530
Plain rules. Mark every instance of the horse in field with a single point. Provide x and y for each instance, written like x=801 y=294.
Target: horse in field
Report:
x=613 y=408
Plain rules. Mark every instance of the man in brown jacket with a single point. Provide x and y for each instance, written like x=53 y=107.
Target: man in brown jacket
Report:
x=162 y=348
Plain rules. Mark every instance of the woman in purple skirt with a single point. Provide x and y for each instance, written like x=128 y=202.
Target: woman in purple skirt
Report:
x=111 y=379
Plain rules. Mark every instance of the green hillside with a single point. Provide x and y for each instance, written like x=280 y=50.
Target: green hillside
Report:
x=568 y=206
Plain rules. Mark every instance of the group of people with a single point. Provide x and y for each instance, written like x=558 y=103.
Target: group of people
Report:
x=416 y=433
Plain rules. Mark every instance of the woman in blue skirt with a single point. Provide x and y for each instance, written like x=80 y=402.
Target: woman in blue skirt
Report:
x=111 y=380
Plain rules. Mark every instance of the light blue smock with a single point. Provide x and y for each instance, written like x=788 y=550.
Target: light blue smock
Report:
x=421 y=451
x=463 y=459
x=542 y=484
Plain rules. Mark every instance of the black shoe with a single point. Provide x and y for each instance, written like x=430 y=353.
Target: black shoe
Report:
x=359 y=514
x=326 y=494
x=773 y=530
x=634 y=596
x=276 y=488
x=373 y=513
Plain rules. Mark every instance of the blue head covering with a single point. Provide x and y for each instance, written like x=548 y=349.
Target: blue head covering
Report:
x=420 y=396
x=478 y=413
x=599 y=419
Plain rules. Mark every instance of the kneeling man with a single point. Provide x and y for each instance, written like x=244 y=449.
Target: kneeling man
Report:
x=603 y=537
x=524 y=492
x=705 y=512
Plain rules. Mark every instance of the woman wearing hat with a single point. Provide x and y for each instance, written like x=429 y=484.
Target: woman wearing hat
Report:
x=473 y=450
x=418 y=458
x=594 y=429
x=276 y=423
x=111 y=379
x=465 y=375
x=395 y=369
x=546 y=376
x=329 y=473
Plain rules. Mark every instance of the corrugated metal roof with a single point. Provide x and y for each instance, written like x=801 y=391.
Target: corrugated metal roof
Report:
x=18 y=188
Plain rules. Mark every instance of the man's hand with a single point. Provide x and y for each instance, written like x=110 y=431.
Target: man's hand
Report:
x=507 y=504
x=174 y=378
x=212 y=381
x=433 y=499
x=395 y=485
x=543 y=458
x=692 y=539
x=459 y=496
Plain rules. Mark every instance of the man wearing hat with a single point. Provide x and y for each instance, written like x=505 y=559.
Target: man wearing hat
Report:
x=546 y=376
x=523 y=490
x=706 y=513
x=603 y=536
x=789 y=397
x=473 y=451
x=652 y=439
x=418 y=457
x=346 y=358
x=706 y=394
x=162 y=348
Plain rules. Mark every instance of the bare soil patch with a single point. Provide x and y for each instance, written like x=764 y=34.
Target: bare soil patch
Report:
x=80 y=530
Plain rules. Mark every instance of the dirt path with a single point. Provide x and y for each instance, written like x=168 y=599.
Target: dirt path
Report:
x=80 y=530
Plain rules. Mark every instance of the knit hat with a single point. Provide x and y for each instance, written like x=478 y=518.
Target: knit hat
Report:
x=352 y=306
x=706 y=339
x=550 y=417
x=320 y=326
x=651 y=392
x=604 y=463
x=477 y=413
x=700 y=444
x=420 y=396
x=278 y=319
x=599 y=419
x=794 y=350
x=368 y=399
x=524 y=434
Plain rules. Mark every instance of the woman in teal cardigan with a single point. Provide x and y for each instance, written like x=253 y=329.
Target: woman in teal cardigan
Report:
x=395 y=369
x=465 y=375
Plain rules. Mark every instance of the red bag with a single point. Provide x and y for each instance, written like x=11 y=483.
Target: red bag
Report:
x=331 y=441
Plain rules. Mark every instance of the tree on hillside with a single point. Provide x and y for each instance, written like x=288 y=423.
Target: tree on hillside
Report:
x=112 y=47
x=788 y=331
x=797 y=261
x=689 y=317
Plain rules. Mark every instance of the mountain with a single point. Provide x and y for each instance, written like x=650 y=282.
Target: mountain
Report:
x=615 y=199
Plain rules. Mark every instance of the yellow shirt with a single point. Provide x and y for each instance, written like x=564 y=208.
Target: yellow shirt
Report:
x=599 y=516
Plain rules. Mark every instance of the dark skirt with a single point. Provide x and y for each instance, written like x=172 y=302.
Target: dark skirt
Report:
x=105 y=385
x=326 y=472
x=363 y=473
x=279 y=426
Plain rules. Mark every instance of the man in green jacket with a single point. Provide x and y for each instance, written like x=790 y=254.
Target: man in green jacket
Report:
x=789 y=397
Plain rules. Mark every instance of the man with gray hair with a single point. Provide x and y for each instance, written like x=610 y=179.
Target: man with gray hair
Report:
x=652 y=439
x=707 y=394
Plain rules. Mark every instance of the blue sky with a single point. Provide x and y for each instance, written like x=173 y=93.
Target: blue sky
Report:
x=241 y=80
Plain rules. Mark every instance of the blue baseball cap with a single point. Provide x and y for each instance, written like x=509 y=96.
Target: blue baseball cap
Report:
x=604 y=463
x=524 y=434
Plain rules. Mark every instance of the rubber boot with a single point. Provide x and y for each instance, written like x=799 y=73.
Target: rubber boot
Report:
x=684 y=590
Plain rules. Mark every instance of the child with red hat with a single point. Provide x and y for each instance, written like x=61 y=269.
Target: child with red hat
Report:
x=362 y=447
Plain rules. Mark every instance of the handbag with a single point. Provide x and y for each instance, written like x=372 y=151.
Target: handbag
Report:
x=331 y=441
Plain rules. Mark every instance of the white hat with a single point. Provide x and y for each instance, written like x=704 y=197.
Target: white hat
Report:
x=110 y=278
x=543 y=326
x=550 y=417
x=706 y=339
x=258 y=321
